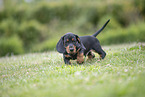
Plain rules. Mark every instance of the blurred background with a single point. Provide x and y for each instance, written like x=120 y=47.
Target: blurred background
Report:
x=37 y=25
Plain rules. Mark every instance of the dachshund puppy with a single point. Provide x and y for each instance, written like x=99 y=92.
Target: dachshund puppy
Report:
x=74 y=47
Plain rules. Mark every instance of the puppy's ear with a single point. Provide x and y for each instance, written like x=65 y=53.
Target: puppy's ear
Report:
x=60 y=45
x=78 y=39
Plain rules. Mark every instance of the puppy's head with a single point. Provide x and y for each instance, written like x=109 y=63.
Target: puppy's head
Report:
x=69 y=43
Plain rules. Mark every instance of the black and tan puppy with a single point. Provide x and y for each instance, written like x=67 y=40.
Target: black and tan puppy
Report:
x=74 y=47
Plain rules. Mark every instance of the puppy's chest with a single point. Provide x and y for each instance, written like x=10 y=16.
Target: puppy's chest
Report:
x=70 y=56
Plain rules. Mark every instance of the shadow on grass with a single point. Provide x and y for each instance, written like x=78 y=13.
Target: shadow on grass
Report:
x=87 y=62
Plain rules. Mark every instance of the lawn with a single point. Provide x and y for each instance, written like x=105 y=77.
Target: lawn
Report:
x=120 y=74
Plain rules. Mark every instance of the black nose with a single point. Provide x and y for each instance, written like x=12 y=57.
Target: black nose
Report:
x=71 y=48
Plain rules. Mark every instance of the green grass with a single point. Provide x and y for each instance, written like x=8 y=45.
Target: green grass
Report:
x=120 y=74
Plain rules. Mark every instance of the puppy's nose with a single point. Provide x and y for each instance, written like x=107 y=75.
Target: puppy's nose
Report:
x=71 y=48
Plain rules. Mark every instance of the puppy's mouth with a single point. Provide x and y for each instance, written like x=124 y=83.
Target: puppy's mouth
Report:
x=71 y=49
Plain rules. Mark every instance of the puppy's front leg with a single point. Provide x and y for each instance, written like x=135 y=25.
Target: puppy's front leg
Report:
x=80 y=58
x=66 y=59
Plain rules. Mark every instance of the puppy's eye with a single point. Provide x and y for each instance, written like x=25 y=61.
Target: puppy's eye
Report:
x=67 y=41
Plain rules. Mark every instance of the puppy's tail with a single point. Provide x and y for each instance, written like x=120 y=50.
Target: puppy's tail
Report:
x=95 y=34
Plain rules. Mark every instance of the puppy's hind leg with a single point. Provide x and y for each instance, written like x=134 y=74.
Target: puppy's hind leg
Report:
x=97 y=48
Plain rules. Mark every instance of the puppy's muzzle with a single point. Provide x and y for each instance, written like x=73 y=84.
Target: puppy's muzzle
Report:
x=71 y=48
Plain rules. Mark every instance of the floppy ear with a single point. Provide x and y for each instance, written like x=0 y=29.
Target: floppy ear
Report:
x=60 y=46
x=78 y=39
